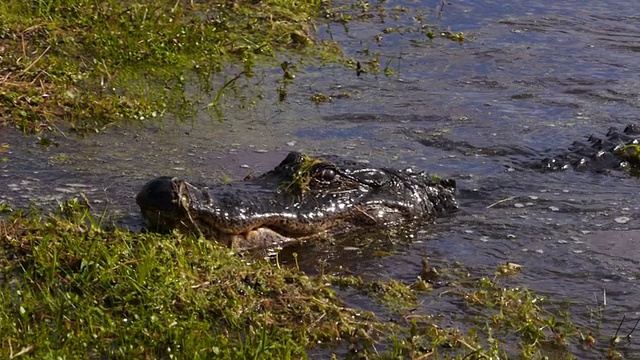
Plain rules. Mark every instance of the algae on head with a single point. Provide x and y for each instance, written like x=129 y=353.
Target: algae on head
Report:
x=630 y=153
x=302 y=177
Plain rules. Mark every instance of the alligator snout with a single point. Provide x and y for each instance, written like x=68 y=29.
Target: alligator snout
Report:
x=158 y=194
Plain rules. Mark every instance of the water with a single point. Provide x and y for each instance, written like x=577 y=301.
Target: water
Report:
x=531 y=78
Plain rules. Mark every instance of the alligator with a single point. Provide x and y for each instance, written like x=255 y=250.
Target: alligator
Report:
x=303 y=197
x=617 y=150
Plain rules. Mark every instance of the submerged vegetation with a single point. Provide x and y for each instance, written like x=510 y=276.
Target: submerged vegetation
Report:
x=72 y=286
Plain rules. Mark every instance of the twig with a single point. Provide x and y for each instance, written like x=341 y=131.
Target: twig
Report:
x=442 y=3
x=36 y=60
x=5 y=78
x=200 y=285
x=183 y=190
x=216 y=99
x=24 y=46
x=501 y=201
x=615 y=339
x=22 y=352
x=424 y=356
x=634 y=329
x=474 y=353
x=37 y=78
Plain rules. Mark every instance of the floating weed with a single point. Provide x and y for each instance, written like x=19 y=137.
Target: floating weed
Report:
x=613 y=344
x=319 y=98
x=508 y=269
x=455 y=36
x=502 y=323
x=4 y=150
x=630 y=153
x=5 y=208
x=392 y=293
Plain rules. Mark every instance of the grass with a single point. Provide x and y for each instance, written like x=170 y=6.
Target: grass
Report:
x=72 y=286
x=84 y=65
x=75 y=290
x=92 y=64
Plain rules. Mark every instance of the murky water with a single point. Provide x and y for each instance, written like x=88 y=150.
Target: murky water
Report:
x=531 y=78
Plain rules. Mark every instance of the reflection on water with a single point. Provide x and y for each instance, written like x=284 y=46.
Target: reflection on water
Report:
x=532 y=77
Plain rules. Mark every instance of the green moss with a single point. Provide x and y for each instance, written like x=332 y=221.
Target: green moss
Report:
x=630 y=153
x=92 y=64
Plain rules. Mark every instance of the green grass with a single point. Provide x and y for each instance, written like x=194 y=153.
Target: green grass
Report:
x=74 y=290
x=84 y=65
x=94 y=63
x=72 y=287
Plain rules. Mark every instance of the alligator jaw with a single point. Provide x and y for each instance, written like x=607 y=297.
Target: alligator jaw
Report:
x=260 y=238
x=165 y=199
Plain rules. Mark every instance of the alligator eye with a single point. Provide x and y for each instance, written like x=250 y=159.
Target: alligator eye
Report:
x=326 y=174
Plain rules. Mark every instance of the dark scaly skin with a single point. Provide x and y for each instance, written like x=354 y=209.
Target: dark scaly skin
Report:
x=617 y=150
x=266 y=211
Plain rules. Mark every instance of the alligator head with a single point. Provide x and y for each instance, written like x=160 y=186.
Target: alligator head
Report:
x=301 y=198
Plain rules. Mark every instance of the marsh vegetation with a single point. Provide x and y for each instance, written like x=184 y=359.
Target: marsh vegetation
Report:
x=74 y=286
